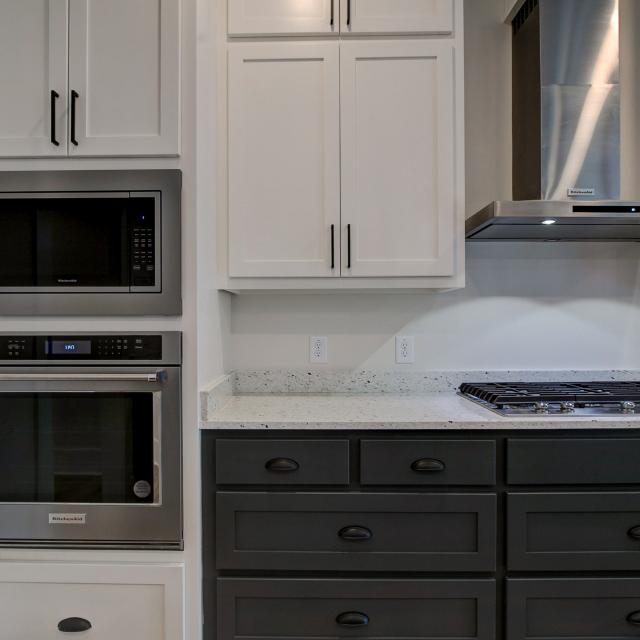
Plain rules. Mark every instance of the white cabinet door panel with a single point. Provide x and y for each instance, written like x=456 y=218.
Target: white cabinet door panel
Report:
x=284 y=159
x=125 y=68
x=33 y=64
x=121 y=602
x=398 y=141
x=281 y=17
x=397 y=16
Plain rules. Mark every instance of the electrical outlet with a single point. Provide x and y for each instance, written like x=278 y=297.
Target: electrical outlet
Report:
x=405 y=350
x=318 y=349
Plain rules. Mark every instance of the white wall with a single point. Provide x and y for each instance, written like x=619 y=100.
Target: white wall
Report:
x=526 y=306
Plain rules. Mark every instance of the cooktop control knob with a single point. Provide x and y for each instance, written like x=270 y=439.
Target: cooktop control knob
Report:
x=567 y=407
x=628 y=406
x=541 y=407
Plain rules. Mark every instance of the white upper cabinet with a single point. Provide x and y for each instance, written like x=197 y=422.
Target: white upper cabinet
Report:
x=33 y=77
x=397 y=122
x=280 y=17
x=284 y=159
x=396 y=16
x=124 y=77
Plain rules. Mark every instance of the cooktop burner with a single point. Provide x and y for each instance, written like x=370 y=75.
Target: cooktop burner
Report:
x=556 y=398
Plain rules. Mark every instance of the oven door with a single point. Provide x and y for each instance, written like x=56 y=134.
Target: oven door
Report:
x=90 y=457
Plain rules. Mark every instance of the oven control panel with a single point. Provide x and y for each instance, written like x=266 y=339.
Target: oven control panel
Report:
x=81 y=347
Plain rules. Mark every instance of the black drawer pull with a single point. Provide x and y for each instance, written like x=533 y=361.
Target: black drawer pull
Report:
x=73 y=625
x=355 y=534
x=281 y=465
x=634 y=533
x=353 y=619
x=634 y=618
x=428 y=465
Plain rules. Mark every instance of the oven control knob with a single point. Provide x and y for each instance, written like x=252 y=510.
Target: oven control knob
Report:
x=567 y=407
x=542 y=407
x=628 y=406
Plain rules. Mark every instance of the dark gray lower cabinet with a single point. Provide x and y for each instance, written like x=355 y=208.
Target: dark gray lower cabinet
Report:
x=548 y=609
x=573 y=531
x=356 y=531
x=249 y=609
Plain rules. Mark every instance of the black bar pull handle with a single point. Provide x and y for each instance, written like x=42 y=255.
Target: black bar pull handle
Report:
x=349 y=14
x=332 y=20
x=54 y=96
x=355 y=533
x=428 y=465
x=333 y=246
x=74 y=97
x=353 y=619
x=281 y=465
x=74 y=625
x=634 y=618
x=348 y=246
x=634 y=533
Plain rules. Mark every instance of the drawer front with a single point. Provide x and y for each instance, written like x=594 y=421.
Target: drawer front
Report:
x=602 y=608
x=428 y=462
x=127 y=602
x=573 y=531
x=356 y=532
x=575 y=461
x=390 y=609
x=284 y=462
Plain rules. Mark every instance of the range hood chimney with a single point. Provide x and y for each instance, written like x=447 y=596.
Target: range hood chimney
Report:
x=566 y=129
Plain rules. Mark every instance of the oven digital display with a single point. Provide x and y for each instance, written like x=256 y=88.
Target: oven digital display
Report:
x=70 y=347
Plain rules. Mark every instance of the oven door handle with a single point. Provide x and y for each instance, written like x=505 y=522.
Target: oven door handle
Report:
x=157 y=376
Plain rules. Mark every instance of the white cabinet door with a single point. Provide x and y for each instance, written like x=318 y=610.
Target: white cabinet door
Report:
x=398 y=201
x=284 y=159
x=125 y=71
x=396 y=16
x=120 y=602
x=282 y=17
x=33 y=75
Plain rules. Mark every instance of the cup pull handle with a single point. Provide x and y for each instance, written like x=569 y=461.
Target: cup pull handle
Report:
x=353 y=619
x=281 y=465
x=428 y=465
x=355 y=533
x=74 y=625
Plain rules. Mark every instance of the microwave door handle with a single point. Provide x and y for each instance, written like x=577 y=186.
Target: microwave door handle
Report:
x=157 y=376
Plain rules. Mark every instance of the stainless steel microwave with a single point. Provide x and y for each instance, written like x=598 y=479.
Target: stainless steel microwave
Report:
x=90 y=243
x=90 y=440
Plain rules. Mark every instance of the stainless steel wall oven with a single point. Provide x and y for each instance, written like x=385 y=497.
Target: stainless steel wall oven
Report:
x=90 y=242
x=90 y=440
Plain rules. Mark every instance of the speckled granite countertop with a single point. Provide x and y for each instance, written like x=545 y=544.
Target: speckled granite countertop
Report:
x=224 y=408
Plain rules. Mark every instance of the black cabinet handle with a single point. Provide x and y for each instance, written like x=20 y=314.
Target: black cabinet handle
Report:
x=281 y=465
x=353 y=619
x=634 y=533
x=54 y=96
x=332 y=12
x=74 y=625
x=634 y=618
x=428 y=465
x=349 y=13
x=348 y=246
x=355 y=533
x=333 y=246
x=74 y=96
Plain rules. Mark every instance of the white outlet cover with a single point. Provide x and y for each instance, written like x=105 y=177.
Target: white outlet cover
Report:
x=405 y=350
x=318 y=349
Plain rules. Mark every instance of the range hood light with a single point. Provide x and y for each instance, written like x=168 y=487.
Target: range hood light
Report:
x=549 y=221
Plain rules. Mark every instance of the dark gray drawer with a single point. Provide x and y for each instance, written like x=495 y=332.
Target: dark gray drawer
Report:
x=428 y=462
x=579 y=609
x=573 y=461
x=356 y=532
x=573 y=531
x=285 y=462
x=390 y=609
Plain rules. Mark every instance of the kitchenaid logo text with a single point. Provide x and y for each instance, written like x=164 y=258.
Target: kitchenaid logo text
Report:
x=574 y=192
x=67 y=518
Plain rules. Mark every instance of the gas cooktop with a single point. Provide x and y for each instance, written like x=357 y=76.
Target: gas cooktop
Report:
x=555 y=398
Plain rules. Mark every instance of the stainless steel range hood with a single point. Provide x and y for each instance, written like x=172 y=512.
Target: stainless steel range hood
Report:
x=566 y=129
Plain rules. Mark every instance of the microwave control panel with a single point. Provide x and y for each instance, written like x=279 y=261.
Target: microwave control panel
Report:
x=143 y=249
x=81 y=347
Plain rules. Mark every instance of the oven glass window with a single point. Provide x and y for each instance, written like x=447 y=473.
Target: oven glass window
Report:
x=64 y=242
x=77 y=447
